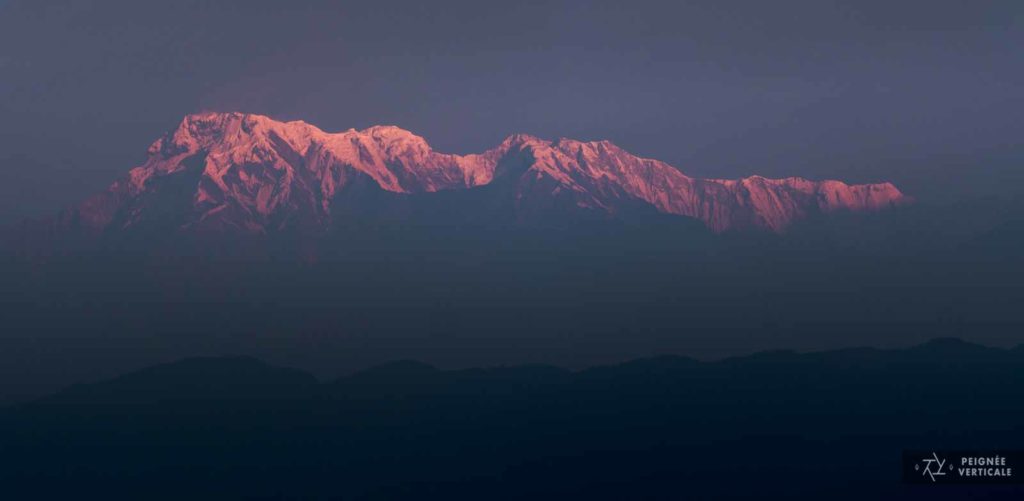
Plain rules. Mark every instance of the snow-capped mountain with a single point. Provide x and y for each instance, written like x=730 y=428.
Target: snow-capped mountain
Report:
x=249 y=173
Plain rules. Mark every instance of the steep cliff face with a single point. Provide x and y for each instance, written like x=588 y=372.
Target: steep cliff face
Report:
x=249 y=173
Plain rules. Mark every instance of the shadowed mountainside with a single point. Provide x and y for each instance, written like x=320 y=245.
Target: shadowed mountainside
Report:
x=592 y=292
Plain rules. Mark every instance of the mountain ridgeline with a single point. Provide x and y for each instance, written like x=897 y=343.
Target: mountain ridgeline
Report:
x=243 y=175
x=559 y=252
x=821 y=425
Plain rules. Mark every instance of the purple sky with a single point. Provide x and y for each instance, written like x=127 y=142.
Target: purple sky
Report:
x=927 y=93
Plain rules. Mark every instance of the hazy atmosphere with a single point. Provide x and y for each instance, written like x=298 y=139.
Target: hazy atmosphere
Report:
x=926 y=94
x=507 y=250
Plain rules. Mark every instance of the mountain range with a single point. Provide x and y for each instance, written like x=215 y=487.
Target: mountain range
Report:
x=781 y=424
x=236 y=173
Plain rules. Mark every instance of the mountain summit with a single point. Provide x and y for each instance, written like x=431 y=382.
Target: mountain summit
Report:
x=249 y=173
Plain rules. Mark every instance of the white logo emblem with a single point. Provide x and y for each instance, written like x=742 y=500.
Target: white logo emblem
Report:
x=932 y=467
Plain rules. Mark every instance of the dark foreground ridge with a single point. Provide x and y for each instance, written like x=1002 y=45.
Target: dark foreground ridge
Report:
x=825 y=425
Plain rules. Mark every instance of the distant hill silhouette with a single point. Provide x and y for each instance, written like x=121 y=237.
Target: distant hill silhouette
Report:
x=821 y=425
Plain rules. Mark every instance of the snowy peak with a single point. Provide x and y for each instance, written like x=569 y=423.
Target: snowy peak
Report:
x=226 y=130
x=250 y=173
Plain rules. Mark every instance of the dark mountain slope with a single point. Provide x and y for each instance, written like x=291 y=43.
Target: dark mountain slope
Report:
x=778 y=424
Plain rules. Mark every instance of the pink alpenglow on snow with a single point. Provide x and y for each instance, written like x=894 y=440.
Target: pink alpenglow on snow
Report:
x=252 y=173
